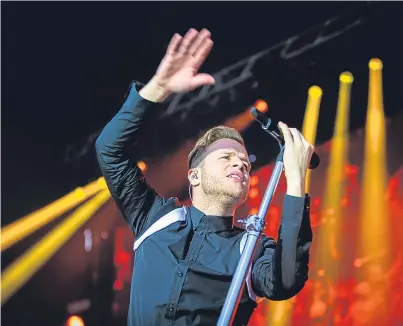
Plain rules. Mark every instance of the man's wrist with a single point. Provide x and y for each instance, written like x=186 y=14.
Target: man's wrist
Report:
x=153 y=92
x=296 y=186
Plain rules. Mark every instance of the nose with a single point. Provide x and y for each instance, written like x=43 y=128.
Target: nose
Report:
x=237 y=162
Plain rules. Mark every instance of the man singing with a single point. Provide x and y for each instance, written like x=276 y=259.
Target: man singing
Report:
x=185 y=257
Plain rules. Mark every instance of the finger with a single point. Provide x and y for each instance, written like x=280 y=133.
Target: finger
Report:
x=306 y=143
x=286 y=133
x=203 y=35
x=174 y=43
x=202 y=52
x=201 y=80
x=296 y=135
x=187 y=41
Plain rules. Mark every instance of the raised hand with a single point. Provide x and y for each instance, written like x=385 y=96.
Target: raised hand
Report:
x=179 y=69
x=297 y=155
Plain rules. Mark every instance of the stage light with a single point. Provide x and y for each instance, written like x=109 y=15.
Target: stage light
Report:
x=101 y=182
x=23 y=268
x=329 y=235
x=316 y=202
x=142 y=165
x=252 y=158
x=375 y=64
x=254 y=180
x=374 y=217
x=261 y=106
x=87 y=240
x=18 y=230
x=346 y=77
x=315 y=92
x=310 y=124
x=118 y=285
x=279 y=313
x=75 y=321
x=253 y=192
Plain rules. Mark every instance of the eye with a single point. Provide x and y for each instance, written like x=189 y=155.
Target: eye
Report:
x=225 y=157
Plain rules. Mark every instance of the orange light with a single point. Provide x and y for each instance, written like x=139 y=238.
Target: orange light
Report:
x=142 y=165
x=75 y=321
x=253 y=193
x=261 y=106
x=254 y=180
x=321 y=272
x=253 y=211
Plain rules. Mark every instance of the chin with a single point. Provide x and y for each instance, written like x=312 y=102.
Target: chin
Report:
x=239 y=195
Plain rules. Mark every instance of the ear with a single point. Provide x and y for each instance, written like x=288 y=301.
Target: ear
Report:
x=194 y=177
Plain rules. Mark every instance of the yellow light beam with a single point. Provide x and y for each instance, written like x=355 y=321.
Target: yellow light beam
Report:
x=28 y=224
x=374 y=220
x=23 y=268
x=339 y=145
x=309 y=127
x=374 y=212
x=329 y=232
x=280 y=312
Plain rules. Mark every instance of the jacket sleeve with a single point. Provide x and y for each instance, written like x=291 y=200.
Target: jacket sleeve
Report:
x=281 y=269
x=117 y=158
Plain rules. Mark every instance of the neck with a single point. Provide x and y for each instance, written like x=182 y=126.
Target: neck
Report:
x=211 y=207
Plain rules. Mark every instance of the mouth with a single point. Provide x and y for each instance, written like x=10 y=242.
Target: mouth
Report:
x=237 y=176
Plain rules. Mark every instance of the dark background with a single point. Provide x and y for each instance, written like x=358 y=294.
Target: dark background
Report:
x=67 y=66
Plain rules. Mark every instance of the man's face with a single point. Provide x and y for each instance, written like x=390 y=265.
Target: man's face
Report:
x=225 y=174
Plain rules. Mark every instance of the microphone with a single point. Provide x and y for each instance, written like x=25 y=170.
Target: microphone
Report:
x=265 y=121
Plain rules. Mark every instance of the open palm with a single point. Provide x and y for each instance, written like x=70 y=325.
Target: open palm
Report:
x=179 y=69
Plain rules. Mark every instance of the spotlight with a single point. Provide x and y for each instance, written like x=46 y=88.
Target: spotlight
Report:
x=252 y=158
x=75 y=321
x=142 y=165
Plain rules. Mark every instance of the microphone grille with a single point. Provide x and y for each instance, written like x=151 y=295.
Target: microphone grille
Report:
x=254 y=112
x=259 y=116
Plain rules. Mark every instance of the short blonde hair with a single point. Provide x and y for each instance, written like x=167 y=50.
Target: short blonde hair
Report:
x=211 y=136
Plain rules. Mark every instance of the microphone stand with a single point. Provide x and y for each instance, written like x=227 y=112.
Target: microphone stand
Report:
x=255 y=224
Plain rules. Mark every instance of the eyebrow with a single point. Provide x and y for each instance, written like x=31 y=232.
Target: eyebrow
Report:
x=234 y=152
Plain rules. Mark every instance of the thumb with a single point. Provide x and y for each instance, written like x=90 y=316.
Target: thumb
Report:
x=201 y=80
